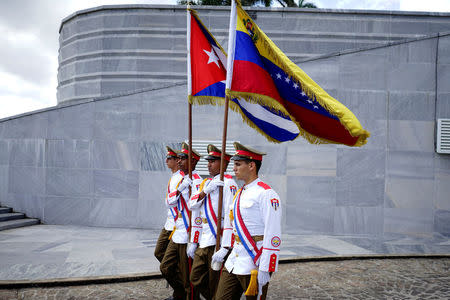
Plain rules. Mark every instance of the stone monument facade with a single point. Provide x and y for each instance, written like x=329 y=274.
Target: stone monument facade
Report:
x=97 y=158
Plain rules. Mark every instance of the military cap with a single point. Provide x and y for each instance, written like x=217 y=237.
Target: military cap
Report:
x=184 y=152
x=171 y=153
x=215 y=153
x=244 y=153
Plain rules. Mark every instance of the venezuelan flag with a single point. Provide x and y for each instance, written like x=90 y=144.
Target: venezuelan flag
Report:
x=261 y=73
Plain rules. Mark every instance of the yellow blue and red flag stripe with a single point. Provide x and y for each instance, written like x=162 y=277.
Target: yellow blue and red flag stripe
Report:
x=263 y=74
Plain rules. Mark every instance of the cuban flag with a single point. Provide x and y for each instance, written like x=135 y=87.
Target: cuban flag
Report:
x=206 y=64
x=260 y=73
x=206 y=84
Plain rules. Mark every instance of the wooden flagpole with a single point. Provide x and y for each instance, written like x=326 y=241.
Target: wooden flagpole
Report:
x=222 y=171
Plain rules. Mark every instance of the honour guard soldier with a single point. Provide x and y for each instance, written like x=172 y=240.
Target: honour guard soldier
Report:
x=174 y=266
x=204 y=278
x=172 y=212
x=255 y=216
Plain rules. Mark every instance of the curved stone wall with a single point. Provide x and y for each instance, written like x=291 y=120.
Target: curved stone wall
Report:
x=113 y=49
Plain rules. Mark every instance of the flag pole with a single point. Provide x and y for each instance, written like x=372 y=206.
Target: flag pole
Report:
x=230 y=59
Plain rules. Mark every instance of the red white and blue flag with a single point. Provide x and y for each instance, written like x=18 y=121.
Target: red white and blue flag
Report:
x=206 y=64
x=260 y=73
x=206 y=84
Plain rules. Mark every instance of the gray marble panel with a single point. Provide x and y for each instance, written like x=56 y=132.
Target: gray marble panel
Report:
x=164 y=100
x=153 y=155
x=88 y=89
x=62 y=122
x=116 y=184
x=129 y=104
x=114 y=212
x=69 y=182
x=444 y=50
x=416 y=106
x=361 y=164
x=27 y=152
x=32 y=126
x=378 y=134
x=274 y=162
x=67 y=210
x=360 y=192
x=408 y=220
x=423 y=51
x=411 y=136
x=4 y=152
x=311 y=190
x=324 y=72
x=409 y=164
x=365 y=104
x=115 y=155
x=309 y=218
x=443 y=106
x=358 y=220
x=311 y=160
x=443 y=75
x=68 y=154
x=414 y=193
x=152 y=211
x=118 y=86
x=117 y=126
x=170 y=127
x=363 y=70
x=442 y=190
x=26 y=180
x=412 y=76
x=4 y=175
x=442 y=222
x=31 y=205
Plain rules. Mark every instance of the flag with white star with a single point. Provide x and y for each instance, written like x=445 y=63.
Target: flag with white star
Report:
x=206 y=64
x=264 y=75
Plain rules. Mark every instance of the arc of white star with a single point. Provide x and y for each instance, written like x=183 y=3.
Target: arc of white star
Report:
x=303 y=93
x=212 y=58
x=315 y=107
x=309 y=101
x=278 y=76
x=295 y=85
x=287 y=79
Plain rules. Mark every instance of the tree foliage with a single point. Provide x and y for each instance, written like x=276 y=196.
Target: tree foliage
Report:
x=267 y=3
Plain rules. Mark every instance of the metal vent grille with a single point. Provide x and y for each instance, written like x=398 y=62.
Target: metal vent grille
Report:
x=200 y=147
x=443 y=136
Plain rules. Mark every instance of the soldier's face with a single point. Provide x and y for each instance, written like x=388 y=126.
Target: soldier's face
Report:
x=184 y=166
x=172 y=162
x=214 y=167
x=242 y=169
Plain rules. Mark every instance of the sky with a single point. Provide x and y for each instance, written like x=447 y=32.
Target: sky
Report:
x=29 y=42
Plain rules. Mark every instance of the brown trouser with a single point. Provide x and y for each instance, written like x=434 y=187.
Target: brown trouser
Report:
x=161 y=244
x=175 y=269
x=231 y=286
x=204 y=279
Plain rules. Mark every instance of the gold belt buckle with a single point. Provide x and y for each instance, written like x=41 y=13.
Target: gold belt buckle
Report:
x=205 y=220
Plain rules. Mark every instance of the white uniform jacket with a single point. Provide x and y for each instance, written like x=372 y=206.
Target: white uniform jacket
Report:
x=171 y=187
x=181 y=234
x=205 y=206
x=260 y=212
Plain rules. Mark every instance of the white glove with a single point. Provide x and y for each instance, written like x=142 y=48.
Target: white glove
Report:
x=185 y=184
x=263 y=279
x=190 y=251
x=219 y=255
x=213 y=184
x=217 y=259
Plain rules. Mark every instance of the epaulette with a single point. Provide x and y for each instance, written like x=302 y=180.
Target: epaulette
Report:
x=195 y=176
x=182 y=173
x=228 y=176
x=264 y=185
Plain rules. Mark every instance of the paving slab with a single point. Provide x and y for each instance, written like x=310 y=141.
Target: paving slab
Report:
x=45 y=252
